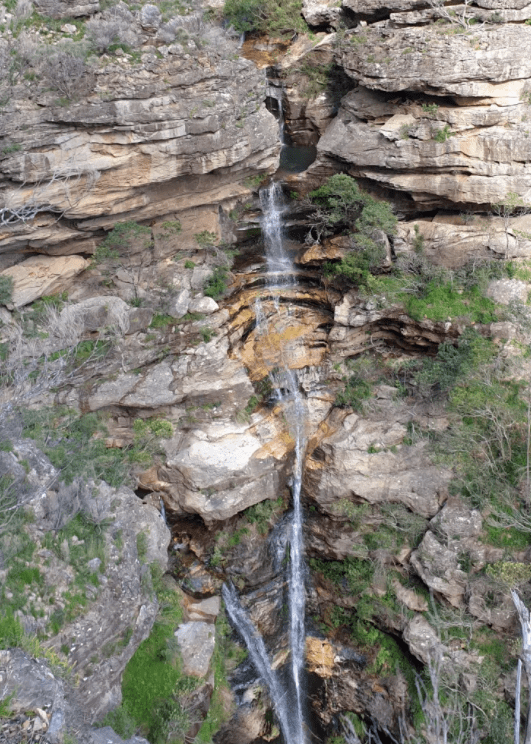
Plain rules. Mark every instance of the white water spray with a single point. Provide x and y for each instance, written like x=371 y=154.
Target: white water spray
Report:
x=289 y=704
x=277 y=94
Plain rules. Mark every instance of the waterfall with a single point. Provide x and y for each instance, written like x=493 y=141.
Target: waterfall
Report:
x=278 y=262
x=289 y=704
x=277 y=94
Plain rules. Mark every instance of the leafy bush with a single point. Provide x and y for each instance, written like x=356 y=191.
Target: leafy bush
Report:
x=265 y=16
x=453 y=363
x=160 y=320
x=6 y=289
x=122 y=234
x=341 y=205
x=356 y=390
x=441 y=135
x=261 y=513
x=104 y=253
x=121 y=721
x=511 y=574
x=216 y=285
x=353 y=574
x=206 y=238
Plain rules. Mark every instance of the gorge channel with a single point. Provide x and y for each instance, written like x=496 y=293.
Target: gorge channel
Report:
x=288 y=703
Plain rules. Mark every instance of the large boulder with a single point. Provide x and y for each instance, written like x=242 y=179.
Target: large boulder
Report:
x=42 y=275
x=367 y=460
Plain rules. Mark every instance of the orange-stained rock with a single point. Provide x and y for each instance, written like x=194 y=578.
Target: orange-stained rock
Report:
x=320 y=657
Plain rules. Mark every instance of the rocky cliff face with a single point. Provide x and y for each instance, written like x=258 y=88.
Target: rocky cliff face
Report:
x=131 y=195
x=170 y=129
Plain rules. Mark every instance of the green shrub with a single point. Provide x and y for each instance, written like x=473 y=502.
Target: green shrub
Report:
x=122 y=234
x=358 y=265
x=356 y=391
x=6 y=289
x=206 y=238
x=171 y=227
x=260 y=514
x=104 y=253
x=341 y=205
x=509 y=573
x=454 y=363
x=441 y=135
x=206 y=334
x=121 y=721
x=160 y=320
x=355 y=573
x=11 y=630
x=266 y=16
x=142 y=546
x=77 y=447
x=430 y=108
x=8 y=149
x=5 y=706
x=92 y=350
x=216 y=285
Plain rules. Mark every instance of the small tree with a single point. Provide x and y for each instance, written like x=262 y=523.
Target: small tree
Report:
x=461 y=16
x=510 y=206
x=341 y=205
x=64 y=72
x=271 y=16
x=101 y=33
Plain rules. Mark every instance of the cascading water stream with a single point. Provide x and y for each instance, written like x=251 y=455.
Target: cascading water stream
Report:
x=277 y=94
x=289 y=704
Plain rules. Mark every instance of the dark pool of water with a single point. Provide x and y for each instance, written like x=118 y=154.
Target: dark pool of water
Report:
x=295 y=159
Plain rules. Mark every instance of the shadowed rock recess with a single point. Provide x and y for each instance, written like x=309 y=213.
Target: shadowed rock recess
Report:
x=149 y=343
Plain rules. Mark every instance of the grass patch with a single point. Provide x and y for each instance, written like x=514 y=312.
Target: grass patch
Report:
x=161 y=321
x=153 y=680
x=446 y=302
x=76 y=444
